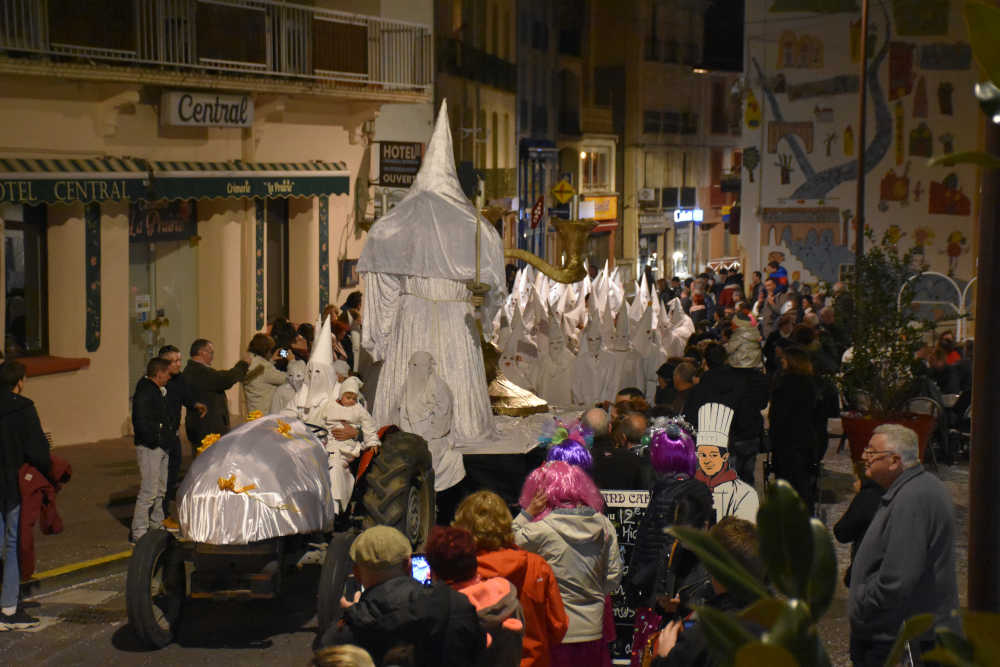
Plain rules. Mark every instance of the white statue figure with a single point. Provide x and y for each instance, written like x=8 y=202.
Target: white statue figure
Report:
x=591 y=368
x=518 y=357
x=731 y=495
x=555 y=377
x=425 y=408
x=346 y=411
x=645 y=341
x=341 y=371
x=321 y=380
x=285 y=394
x=416 y=263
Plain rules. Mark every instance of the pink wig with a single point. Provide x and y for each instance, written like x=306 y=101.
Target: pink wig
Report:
x=565 y=485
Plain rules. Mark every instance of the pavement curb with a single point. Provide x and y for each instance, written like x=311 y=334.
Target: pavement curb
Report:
x=73 y=573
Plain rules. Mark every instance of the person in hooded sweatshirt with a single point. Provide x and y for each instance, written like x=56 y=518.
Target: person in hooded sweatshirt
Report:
x=21 y=441
x=451 y=554
x=561 y=520
x=485 y=515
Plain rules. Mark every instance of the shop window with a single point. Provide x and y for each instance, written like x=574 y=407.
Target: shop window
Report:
x=276 y=258
x=596 y=167
x=26 y=273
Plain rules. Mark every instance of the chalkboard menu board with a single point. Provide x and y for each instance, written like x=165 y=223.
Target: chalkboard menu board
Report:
x=625 y=509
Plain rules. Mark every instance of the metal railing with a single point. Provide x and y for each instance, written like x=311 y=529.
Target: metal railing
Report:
x=460 y=59
x=271 y=38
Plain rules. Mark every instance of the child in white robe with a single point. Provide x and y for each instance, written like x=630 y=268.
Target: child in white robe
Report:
x=346 y=411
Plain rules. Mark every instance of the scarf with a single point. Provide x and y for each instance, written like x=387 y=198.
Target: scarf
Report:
x=723 y=476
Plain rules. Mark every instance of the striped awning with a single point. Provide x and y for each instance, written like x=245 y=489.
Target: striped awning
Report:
x=197 y=180
x=58 y=181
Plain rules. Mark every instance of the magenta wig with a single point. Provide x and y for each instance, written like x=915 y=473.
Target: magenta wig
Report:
x=565 y=485
x=672 y=451
x=571 y=452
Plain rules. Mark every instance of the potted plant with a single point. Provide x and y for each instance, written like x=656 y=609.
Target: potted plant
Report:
x=877 y=379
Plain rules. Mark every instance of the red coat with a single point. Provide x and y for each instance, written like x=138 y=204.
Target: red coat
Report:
x=38 y=502
x=545 y=621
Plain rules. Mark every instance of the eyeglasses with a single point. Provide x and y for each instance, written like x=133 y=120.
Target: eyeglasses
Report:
x=873 y=454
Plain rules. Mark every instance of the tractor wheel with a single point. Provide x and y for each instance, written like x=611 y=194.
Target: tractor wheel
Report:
x=336 y=567
x=399 y=489
x=155 y=588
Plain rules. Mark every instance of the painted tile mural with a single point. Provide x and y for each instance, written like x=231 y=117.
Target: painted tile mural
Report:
x=801 y=104
x=260 y=211
x=324 y=251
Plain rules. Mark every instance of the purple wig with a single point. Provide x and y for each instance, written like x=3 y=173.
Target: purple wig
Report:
x=571 y=452
x=565 y=485
x=672 y=451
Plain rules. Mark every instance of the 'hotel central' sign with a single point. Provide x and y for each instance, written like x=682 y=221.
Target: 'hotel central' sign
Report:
x=206 y=110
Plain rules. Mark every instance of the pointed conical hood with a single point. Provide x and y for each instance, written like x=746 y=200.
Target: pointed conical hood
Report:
x=516 y=333
x=641 y=335
x=616 y=290
x=322 y=349
x=432 y=231
x=623 y=325
x=556 y=333
x=608 y=324
x=636 y=307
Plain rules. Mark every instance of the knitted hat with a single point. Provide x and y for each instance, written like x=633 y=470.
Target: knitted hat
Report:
x=379 y=548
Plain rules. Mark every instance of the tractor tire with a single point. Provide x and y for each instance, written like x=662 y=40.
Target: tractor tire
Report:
x=336 y=567
x=155 y=588
x=399 y=489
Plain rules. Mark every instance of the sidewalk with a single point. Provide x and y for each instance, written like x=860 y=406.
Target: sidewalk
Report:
x=96 y=507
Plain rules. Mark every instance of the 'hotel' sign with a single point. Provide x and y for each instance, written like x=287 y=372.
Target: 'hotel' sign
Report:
x=206 y=110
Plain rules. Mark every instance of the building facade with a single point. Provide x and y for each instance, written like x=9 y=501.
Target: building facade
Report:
x=181 y=170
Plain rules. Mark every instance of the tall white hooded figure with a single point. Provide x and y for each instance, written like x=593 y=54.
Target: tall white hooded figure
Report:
x=731 y=495
x=416 y=263
x=516 y=364
x=321 y=380
x=676 y=329
x=592 y=367
x=625 y=364
x=645 y=341
x=555 y=377
x=338 y=413
x=426 y=409
x=284 y=395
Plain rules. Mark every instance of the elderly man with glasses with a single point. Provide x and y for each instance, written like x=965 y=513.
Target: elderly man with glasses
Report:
x=906 y=562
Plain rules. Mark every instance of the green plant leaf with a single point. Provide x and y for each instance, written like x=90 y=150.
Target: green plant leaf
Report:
x=983 y=21
x=955 y=644
x=796 y=633
x=758 y=653
x=719 y=563
x=983 y=630
x=725 y=633
x=764 y=612
x=978 y=158
x=912 y=627
x=823 y=576
x=944 y=657
x=786 y=541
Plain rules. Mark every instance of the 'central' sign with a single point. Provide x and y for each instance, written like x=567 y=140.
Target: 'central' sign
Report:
x=206 y=109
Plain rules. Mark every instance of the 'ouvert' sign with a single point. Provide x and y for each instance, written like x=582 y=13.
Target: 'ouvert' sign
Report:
x=206 y=109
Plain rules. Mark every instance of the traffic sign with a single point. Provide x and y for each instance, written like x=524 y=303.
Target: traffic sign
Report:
x=536 y=212
x=563 y=191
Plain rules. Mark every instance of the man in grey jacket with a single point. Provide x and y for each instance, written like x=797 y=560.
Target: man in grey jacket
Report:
x=906 y=562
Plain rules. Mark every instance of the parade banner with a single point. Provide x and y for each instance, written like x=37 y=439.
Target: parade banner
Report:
x=625 y=510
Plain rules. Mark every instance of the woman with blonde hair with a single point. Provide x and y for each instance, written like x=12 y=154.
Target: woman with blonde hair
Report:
x=485 y=515
x=344 y=655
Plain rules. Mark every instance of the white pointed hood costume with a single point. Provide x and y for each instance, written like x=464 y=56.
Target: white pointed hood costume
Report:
x=555 y=378
x=416 y=263
x=321 y=380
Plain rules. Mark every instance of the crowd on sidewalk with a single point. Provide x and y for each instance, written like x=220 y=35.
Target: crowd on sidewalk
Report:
x=676 y=405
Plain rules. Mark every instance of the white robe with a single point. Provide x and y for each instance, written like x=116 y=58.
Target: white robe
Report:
x=590 y=376
x=342 y=452
x=555 y=383
x=407 y=314
x=429 y=415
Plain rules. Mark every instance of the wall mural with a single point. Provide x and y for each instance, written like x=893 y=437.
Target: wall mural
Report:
x=918 y=59
x=324 y=251
x=260 y=209
x=92 y=274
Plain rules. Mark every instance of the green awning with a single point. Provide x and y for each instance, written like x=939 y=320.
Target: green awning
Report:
x=60 y=181
x=197 y=180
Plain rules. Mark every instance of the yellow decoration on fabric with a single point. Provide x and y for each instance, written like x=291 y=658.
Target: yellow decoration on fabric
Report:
x=285 y=429
x=230 y=485
x=208 y=441
x=254 y=414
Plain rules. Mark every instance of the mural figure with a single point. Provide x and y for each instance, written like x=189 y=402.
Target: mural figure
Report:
x=922 y=237
x=785 y=164
x=947 y=142
x=805 y=51
x=956 y=246
x=848 y=141
x=900 y=69
x=900 y=133
x=751 y=158
x=947 y=198
x=828 y=141
x=753 y=111
x=896 y=188
x=920 y=99
x=921 y=141
x=818 y=184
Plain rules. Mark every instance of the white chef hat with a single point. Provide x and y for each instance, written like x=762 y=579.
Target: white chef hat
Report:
x=714 y=421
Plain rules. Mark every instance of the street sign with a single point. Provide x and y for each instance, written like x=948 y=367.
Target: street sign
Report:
x=563 y=191
x=536 y=212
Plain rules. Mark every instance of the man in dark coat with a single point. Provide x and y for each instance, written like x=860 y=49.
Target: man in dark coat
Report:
x=398 y=616
x=154 y=432
x=21 y=441
x=178 y=395
x=209 y=386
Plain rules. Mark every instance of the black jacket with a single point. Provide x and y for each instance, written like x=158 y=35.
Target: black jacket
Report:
x=692 y=648
x=616 y=467
x=853 y=525
x=151 y=416
x=437 y=621
x=21 y=441
x=178 y=395
x=742 y=389
x=797 y=417
x=209 y=386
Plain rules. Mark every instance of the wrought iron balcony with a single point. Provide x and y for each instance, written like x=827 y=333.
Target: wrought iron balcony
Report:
x=251 y=39
x=460 y=59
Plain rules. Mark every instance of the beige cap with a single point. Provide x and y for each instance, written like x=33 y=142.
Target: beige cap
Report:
x=380 y=547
